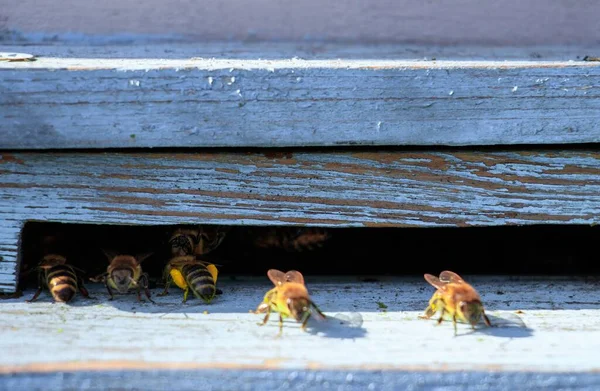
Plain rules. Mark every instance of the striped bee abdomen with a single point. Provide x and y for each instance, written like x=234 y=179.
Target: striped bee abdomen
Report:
x=200 y=281
x=62 y=282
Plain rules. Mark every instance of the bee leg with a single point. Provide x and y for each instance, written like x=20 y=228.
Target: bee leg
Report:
x=318 y=311
x=304 y=323
x=37 y=293
x=84 y=292
x=167 y=285
x=266 y=318
x=35 y=296
x=486 y=320
x=185 y=294
x=280 y=326
x=144 y=283
x=110 y=294
x=454 y=323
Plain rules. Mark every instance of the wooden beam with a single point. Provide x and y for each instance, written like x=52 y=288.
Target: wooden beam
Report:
x=337 y=189
x=134 y=103
x=512 y=22
x=541 y=324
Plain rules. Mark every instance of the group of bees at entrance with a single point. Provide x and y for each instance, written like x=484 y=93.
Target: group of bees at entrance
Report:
x=454 y=299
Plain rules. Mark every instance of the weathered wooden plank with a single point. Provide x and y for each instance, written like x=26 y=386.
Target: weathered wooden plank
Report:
x=304 y=50
x=340 y=189
x=10 y=230
x=134 y=103
x=228 y=379
x=512 y=22
x=543 y=324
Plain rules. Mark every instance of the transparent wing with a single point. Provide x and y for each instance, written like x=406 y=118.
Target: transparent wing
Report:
x=294 y=276
x=277 y=277
x=433 y=280
x=448 y=276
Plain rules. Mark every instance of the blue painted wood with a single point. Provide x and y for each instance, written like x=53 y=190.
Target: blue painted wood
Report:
x=298 y=380
x=342 y=189
x=141 y=103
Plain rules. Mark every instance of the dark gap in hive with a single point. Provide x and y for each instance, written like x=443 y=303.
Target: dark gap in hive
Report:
x=532 y=250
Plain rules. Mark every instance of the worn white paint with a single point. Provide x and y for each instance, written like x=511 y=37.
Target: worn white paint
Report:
x=349 y=189
x=92 y=103
x=304 y=50
x=541 y=324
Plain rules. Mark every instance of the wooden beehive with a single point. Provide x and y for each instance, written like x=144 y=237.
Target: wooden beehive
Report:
x=300 y=114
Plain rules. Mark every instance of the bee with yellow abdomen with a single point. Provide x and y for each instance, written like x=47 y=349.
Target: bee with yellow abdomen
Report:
x=455 y=298
x=289 y=298
x=124 y=273
x=61 y=279
x=191 y=274
x=198 y=241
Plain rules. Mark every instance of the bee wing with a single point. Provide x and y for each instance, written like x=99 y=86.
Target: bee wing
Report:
x=433 y=280
x=294 y=276
x=277 y=277
x=109 y=254
x=448 y=276
x=142 y=257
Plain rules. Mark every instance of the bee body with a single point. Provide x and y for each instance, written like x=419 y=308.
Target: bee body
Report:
x=293 y=239
x=190 y=274
x=455 y=299
x=124 y=273
x=197 y=241
x=61 y=279
x=289 y=298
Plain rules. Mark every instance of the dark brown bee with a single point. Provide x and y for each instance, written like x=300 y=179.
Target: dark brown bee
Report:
x=61 y=279
x=198 y=241
x=289 y=298
x=123 y=273
x=190 y=274
x=292 y=238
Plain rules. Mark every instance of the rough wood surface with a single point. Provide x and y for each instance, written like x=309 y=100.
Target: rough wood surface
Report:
x=228 y=379
x=340 y=189
x=304 y=50
x=510 y=22
x=542 y=324
x=134 y=103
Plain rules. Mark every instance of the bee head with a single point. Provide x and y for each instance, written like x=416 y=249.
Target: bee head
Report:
x=182 y=244
x=122 y=279
x=299 y=308
x=52 y=260
x=471 y=311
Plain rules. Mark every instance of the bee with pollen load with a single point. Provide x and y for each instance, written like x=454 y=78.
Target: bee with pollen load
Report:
x=185 y=268
x=455 y=298
x=289 y=298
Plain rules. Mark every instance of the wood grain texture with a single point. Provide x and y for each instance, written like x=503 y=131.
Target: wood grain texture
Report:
x=228 y=379
x=304 y=50
x=511 y=22
x=135 y=103
x=542 y=324
x=338 y=189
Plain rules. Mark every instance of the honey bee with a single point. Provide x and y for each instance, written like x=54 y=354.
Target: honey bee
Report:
x=198 y=241
x=456 y=298
x=292 y=238
x=61 y=279
x=289 y=298
x=124 y=272
x=191 y=274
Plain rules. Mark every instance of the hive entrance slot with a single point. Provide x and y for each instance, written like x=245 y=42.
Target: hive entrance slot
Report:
x=535 y=250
